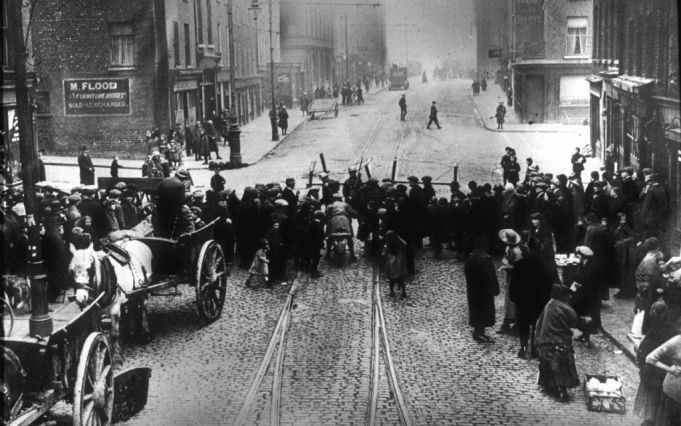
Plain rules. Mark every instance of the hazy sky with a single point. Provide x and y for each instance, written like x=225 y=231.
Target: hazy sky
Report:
x=434 y=28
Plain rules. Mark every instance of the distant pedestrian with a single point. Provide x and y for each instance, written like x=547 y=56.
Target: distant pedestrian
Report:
x=509 y=96
x=283 y=119
x=577 y=161
x=41 y=166
x=259 y=266
x=360 y=97
x=87 y=169
x=304 y=103
x=403 y=107
x=115 y=167
x=483 y=84
x=481 y=287
x=433 y=116
x=500 y=115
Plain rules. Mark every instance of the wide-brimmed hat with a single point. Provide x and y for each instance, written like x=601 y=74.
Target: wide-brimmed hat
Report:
x=181 y=173
x=509 y=236
x=584 y=251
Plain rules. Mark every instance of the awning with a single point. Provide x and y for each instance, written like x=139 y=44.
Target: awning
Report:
x=636 y=85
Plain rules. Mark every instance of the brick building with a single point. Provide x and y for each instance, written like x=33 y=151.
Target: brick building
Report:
x=635 y=89
x=112 y=71
x=551 y=57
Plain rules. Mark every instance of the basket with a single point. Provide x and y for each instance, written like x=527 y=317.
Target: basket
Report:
x=604 y=401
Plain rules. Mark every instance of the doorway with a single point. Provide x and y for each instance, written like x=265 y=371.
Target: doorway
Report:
x=534 y=99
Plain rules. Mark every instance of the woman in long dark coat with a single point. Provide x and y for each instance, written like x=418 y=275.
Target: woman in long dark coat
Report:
x=283 y=120
x=557 y=370
x=481 y=287
x=530 y=291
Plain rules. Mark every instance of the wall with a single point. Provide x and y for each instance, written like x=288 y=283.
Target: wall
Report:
x=71 y=41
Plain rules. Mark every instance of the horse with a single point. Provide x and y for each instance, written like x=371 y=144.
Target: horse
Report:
x=119 y=268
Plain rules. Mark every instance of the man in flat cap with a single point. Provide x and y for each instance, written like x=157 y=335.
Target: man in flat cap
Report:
x=171 y=197
x=654 y=207
x=87 y=169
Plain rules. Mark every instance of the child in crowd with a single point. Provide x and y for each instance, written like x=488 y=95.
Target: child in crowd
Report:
x=259 y=266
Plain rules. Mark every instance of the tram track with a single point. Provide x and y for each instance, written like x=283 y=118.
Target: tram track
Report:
x=381 y=346
x=277 y=344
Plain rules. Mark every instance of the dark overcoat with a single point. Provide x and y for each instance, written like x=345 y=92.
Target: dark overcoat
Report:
x=481 y=287
x=87 y=170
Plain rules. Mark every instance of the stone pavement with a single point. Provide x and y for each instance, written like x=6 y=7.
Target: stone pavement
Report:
x=486 y=106
x=256 y=143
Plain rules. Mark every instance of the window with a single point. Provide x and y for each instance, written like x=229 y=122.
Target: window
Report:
x=209 y=23
x=7 y=51
x=176 y=44
x=199 y=21
x=122 y=44
x=187 y=48
x=576 y=36
x=42 y=101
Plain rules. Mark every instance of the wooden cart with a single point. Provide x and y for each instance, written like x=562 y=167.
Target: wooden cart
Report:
x=194 y=259
x=73 y=364
x=323 y=107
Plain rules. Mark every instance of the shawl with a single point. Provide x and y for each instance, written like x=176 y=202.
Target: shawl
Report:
x=555 y=323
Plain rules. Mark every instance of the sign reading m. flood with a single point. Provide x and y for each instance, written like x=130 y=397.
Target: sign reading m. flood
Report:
x=105 y=96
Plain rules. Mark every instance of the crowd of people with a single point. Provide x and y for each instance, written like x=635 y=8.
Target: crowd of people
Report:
x=614 y=228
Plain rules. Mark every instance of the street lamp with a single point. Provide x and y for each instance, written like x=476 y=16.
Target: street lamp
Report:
x=233 y=134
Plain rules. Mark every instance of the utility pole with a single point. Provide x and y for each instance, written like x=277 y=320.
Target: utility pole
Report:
x=347 y=55
x=234 y=133
x=273 y=111
x=40 y=323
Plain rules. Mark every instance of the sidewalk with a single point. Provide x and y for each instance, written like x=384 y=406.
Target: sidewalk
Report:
x=256 y=143
x=617 y=316
x=486 y=105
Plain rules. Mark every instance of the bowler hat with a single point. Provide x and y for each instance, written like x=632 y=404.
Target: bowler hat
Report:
x=427 y=179
x=413 y=179
x=84 y=148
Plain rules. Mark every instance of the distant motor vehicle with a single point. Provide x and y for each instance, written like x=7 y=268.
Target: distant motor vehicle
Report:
x=398 y=79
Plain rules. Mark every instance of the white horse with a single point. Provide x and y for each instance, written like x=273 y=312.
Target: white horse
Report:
x=125 y=268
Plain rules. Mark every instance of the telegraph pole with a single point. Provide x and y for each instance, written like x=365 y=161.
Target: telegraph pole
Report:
x=273 y=111
x=234 y=133
x=347 y=55
x=40 y=323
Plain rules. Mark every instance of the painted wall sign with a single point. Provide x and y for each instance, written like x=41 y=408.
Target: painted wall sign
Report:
x=100 y=96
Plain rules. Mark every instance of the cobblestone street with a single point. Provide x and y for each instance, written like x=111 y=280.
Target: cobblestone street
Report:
x=201 y=374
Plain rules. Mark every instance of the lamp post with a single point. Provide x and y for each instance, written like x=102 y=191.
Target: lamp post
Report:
x=273 y=111
x=40 y=323
x=234 y=133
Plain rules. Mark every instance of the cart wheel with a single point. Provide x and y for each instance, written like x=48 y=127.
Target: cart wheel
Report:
x=93 y=391
x=211 y=281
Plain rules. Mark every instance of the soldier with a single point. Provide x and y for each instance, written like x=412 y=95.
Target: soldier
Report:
x=433 y=116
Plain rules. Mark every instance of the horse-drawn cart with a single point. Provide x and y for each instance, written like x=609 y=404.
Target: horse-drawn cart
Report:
x=194 y=258
x=323 y=107
x=73 y=364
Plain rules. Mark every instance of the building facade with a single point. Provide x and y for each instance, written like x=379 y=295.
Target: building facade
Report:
x=551 y=57
x=359 y=42
x=493 y=39
x=634 y=89
x=127 y=66
x=307 y=41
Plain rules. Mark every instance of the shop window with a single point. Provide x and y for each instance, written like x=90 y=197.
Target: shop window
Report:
x=122 y=44
x=576 y=36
